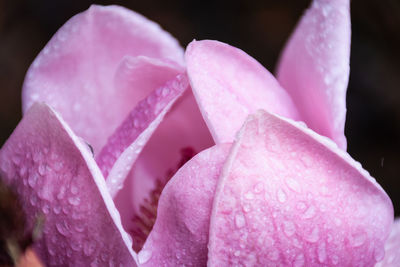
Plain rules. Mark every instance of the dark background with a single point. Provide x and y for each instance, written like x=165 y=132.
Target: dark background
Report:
x=258 y=27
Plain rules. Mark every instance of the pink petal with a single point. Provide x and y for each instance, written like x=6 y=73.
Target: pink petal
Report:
x=392 y=247
x=124 y=146
x=289 y=196
x=55 y=175
x=228 y=85
x=180 y=234
x=314 y=67
x=75 y=71
x=183 y=127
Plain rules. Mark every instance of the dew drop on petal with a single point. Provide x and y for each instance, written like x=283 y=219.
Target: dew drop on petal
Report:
x=89 y=247
x=281 y=195
x=273 y=254
x=358 y=239
x=74 y=200
x=321 y=251
x=309 y=213
x=240 y=221
x=289 y=228
x=299 y=261
x=379 y=253
x=313 y=236
x=293 y=184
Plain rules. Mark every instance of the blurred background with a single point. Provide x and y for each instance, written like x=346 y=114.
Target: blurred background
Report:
x=258 y=27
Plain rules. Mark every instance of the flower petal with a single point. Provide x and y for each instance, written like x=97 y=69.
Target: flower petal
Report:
x=228 y=85
x=290 y=196
x=75 y=71
x=314 y=67
x=124 y=146
x=180 y=234
x=183 y=127
x=392 y=247
x=55 y=176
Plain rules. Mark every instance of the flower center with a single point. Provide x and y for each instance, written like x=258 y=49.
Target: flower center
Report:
x=144 y=221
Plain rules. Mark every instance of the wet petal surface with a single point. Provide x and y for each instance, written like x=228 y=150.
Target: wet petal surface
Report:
x=75 y=72
x=56 y=176
x=290 y=196
x=229 y=85
x=314 y=67
x=180 y=234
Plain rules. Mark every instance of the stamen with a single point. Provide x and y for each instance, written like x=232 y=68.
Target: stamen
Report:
x=148 y=209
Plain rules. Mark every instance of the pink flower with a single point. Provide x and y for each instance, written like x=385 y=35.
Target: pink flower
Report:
x=263 y=189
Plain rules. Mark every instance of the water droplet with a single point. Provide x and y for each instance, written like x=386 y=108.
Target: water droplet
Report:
x=89 y=247
x=74 y=200
x=23 y=171
x=51 y=251
x=76 y=246
x=46 y=208
x=16 y=159
x=289 y=228
x=32 y=179
x=74 y=189
x=246 y=208
x=57 y=209
x=240 y=220
x=42 y=169
x=273 y=254
x=144 y=256
x=293 y=184
x=63 y=228
x=379 y=253
x=313 y=236
x=165 y=91
x=358 y=239
x=321 y=251
x=61 y=193
x=33 y=200
x=79 y=227
x=136 y=123
x=58 y=166
x=309 y=213
x=335 y=259
x=301 y=206
x=299 y=261
x=249 y=195
x=281 y=195
x=258 y=188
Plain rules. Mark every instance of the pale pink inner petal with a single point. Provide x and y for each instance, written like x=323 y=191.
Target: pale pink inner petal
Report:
x=289 y=196
x=124 y=146
x=55 y=176
x=182 y=128
x=229 y=85
x=392 y=247
x=75 y=72
x=314 y=67
x=180 y=234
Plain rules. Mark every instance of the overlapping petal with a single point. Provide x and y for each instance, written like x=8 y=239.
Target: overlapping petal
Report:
x=181 y=128
x=180 y=234
x=229 y=85
x=290 y=196
x=314 y=67
x=75 y=71
x=55 y=176
x=124 y=146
